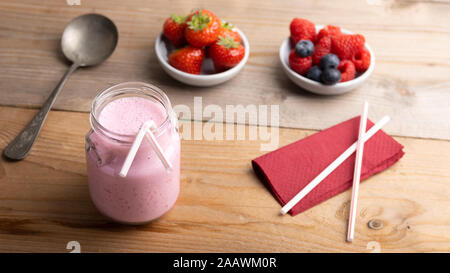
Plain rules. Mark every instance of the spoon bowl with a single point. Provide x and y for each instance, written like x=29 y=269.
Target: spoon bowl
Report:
x=89 y=39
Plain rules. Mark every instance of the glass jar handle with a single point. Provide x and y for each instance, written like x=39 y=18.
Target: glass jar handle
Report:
x=90 y=148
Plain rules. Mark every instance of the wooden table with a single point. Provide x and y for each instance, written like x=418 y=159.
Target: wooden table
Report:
x=223 y=207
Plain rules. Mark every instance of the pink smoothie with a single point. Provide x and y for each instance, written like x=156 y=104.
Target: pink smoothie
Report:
x=148 y=191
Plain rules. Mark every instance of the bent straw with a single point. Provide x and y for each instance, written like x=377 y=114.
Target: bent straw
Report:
x=137 y=143
x=357 y=173
x=158 y=150
x=133 y=150
x=332 y=167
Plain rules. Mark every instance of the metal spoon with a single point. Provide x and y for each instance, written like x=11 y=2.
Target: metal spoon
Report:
x=87 y=40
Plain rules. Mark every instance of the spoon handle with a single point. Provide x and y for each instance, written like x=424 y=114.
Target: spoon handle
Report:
x=20 y=147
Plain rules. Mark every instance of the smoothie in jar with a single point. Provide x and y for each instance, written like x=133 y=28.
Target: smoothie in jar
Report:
x=149 y=190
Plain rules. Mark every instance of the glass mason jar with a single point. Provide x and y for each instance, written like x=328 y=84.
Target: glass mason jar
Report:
x=148 y=191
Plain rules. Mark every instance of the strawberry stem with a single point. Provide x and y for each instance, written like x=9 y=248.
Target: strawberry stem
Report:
x=227 y=25
x=178 y=18
x=199 y=21
x=227 y=42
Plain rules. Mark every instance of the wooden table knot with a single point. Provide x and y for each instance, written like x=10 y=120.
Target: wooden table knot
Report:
x=375 y=224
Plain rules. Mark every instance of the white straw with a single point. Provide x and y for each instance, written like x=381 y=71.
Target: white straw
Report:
x=357 y=173
x=145 y=130
x=158 y=150
x=133 y=150
x=332 y=167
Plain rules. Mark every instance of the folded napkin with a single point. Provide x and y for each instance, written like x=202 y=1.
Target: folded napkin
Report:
x=289 y=169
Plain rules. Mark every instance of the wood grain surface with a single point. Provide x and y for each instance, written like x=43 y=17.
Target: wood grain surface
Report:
x=223 y=207
x=410 y=38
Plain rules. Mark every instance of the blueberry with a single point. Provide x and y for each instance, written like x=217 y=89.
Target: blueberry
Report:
x=314 y=73
x=304 y=48
x=330 y=76
x=329 y=61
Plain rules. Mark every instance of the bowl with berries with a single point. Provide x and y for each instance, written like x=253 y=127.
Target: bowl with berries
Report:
x=200 y=49
x=325 y=60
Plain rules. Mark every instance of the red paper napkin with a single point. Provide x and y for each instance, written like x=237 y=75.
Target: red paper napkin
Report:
x=289 y=169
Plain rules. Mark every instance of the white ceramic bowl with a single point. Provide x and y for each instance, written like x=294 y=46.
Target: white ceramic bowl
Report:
x=208 y=77
x=316 y=87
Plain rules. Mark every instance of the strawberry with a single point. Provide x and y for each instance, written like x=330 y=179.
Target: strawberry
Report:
x=347 y=69
x=299 y=64
x=347 y=45
x=203 y=28
x=226 y=53
x=329 y=31
x=302 y=29
x=361 y=60
x=227 y=30
x=188 y=59
x=322 y=48
x=174 y=30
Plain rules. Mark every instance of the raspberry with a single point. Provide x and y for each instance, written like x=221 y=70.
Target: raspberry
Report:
x=329 y=31
x=347 y=69
x=302 y=29
x=299 y=64
x=361 y=60
x=322 y=48
x=346 y=46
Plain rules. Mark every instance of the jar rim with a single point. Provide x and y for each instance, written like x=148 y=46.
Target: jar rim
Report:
x=120 y=88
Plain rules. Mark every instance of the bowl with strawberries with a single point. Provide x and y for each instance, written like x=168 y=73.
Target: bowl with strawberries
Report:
x=325 y=60
x=201 y=50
